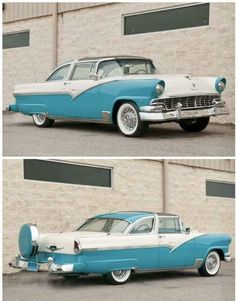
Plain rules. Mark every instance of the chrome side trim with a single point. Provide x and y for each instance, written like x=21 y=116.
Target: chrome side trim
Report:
x=79 y=119
x=195 y=266
x=126 y=247
x=106 y=116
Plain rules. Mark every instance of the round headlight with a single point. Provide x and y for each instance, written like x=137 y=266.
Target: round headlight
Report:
x=220 y=84
x=160 y=89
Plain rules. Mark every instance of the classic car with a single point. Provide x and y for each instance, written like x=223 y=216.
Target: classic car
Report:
x=123 y=90
x=117 y=244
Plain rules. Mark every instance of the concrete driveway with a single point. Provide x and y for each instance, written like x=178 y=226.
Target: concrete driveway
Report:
x=22 y=138
x=174 y=286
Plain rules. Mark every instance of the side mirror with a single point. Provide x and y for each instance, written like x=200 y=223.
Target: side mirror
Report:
x=187 y=230
x=93 y=76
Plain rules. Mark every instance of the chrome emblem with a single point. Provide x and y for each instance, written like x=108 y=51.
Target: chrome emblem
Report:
x=54 y=248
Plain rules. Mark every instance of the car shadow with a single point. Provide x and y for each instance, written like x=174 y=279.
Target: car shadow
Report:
x=95 y=280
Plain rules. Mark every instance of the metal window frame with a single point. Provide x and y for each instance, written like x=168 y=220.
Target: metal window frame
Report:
x=123 y=16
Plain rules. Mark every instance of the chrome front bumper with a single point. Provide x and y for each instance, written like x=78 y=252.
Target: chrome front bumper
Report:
x=148 y=113
x=227 y=257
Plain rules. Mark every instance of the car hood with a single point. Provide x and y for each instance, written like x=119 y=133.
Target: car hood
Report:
x=181 y=84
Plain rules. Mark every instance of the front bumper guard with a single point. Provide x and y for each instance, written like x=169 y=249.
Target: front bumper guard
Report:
x=157 y=113
x=227 y=257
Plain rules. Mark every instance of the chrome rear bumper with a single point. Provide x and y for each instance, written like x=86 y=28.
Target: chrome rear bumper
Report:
x=148 y=113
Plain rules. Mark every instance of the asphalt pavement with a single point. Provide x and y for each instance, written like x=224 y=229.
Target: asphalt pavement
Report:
x=22 y=138
x=175 y=286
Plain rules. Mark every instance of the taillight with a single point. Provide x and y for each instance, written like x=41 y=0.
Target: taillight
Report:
x=77 y=246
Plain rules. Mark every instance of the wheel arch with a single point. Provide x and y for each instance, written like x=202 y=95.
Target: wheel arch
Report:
x=217 y=250
x=117 y=105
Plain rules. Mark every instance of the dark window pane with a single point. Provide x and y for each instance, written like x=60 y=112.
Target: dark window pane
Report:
x=40 y=170
x=14 y=40
x=219 y=189
x=169 y=19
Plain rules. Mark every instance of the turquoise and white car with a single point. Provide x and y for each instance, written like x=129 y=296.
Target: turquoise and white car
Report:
x=123 y=90
x=117 y=244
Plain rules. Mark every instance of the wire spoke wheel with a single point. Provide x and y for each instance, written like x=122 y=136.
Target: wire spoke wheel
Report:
x=118 y=276
x=41 y=120
x=211 y=265
x=129 y=122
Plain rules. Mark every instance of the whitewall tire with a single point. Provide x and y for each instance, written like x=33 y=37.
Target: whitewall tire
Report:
x=41 y=120
x=129 y=122
x=118 y=277
x=211 y=265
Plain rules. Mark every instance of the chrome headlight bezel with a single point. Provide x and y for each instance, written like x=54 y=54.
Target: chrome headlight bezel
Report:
x=220 y=84
x=160 y=88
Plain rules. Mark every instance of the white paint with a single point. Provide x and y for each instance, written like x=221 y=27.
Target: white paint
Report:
x=175 y=85
x=98 y=240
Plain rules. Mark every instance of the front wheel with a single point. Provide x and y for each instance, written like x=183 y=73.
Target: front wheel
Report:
x=129 y=121
x=211 y=265
x=41 y=120
x=194 y=125
x=117 y=277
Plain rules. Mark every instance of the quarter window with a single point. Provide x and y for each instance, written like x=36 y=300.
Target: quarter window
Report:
x=169 y=225
x=144 y=226
x=60 y=74
x=82 y=71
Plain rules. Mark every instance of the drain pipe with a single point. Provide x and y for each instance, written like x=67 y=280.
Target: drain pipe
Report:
x=165 y=186
x=54 y=34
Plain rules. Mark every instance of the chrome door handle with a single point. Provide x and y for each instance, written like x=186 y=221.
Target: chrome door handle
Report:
x=161 y=236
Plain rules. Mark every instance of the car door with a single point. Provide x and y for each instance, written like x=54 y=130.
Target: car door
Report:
x=52 y=93
x=84 y=102
x=143 y=235
x=177 y=247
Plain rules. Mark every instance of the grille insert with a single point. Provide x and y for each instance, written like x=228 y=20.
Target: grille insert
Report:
x=189 y=102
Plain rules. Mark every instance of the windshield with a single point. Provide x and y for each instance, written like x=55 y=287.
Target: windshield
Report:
x=120 y=67
x=107 y=225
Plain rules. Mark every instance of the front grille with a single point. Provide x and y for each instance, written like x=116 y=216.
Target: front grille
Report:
x=189 y=102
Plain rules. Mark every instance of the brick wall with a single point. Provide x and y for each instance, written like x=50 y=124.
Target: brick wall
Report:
x=202 y=51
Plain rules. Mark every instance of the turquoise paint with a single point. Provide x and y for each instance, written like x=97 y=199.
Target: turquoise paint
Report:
x=25 y=241
x=91 y=103
x=101 y=262
x=219 y=79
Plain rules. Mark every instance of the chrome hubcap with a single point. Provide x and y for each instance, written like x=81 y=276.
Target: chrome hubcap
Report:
x=212 y=263
x=120 y=274
x=129 y=118
x=40 y=117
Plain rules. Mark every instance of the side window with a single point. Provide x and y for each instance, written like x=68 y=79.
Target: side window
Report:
x=60 y=74
x=169 y=225
x=82 y=71
x=144 y=226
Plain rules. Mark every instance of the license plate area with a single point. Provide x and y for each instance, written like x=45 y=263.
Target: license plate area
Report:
x=32 y=266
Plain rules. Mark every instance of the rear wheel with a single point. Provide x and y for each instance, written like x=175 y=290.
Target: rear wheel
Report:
x=211 y=265
x=41 y=120
x=129 y=121
x=118 y=277
x=194 y=125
